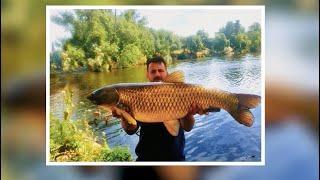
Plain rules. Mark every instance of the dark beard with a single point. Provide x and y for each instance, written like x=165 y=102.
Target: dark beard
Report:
x=157 y=79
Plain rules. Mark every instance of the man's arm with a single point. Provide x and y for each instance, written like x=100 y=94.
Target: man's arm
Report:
x=187 y=122
x=128 y=128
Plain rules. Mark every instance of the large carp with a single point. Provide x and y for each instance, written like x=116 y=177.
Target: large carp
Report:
x=170 y=100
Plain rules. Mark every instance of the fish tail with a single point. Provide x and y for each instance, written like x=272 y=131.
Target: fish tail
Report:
x=249 y=100
x=242 y=113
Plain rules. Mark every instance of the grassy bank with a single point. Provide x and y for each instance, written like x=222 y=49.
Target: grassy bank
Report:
x=75 y=140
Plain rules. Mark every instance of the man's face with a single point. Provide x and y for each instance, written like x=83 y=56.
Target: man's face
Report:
x=156 y=72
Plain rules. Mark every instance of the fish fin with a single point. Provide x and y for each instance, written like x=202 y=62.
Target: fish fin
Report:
x=129 y=118
x=172 y=127
x=248 y=100
x=243 y=116
x=175 y=77
x=125 y=115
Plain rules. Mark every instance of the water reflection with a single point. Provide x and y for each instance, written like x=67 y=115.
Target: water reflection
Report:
x=91 y=80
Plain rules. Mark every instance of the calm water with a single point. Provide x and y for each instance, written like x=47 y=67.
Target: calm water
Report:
x=215 y=137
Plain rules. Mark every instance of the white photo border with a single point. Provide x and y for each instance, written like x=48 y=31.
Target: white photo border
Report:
x=200 y=7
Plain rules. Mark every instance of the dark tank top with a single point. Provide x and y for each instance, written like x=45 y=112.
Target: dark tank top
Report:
x=157 y=144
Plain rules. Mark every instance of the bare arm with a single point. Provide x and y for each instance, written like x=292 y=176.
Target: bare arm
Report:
x=187 y=122
x=128 y=128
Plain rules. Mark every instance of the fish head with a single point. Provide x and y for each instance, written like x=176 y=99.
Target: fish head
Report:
x=107 y=95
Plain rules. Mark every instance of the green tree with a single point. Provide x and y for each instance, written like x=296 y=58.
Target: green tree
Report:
x=161 y=42
x=242 y=43
x=104 y=36
x=130 y=15
x=231 y=30
x=204 y=38
x=130 y=56
x=194 y=43
x=254 y=35
x=102 y=60
x=72 y=58
x=220 y=42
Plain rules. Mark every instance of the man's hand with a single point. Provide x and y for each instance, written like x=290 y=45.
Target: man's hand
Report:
x=128 y=128
x=187 y=122
x=195 y=109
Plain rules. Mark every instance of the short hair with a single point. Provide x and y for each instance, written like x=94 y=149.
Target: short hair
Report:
x=156 y=59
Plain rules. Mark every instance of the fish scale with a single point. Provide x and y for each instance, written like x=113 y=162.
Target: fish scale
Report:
x=168 y=101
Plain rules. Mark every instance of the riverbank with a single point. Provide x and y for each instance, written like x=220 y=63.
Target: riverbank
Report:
x=173 y=60
x=74 y=140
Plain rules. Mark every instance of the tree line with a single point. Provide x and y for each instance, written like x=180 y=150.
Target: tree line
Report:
x=102 y=40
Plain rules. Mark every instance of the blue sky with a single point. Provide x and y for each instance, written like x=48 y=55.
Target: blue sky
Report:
x=183 y=22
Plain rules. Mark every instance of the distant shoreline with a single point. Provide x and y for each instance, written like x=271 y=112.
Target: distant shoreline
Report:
x=224 y=57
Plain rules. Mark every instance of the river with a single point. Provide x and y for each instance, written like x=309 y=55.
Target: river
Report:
x=215 y=137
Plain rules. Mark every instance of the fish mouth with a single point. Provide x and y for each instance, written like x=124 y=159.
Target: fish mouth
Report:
x=91 y=98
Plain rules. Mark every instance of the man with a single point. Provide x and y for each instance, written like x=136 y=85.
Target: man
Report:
x=155 y=142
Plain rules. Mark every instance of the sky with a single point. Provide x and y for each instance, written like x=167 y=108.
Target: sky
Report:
x=183 y=22
x=188 y=22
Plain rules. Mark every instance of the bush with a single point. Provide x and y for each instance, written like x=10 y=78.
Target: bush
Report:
x=116 y=154
x=75 y=140
x=131 y=56
x=72 y=58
